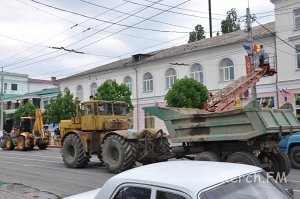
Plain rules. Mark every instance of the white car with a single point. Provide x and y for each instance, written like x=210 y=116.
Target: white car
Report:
x=190 y=180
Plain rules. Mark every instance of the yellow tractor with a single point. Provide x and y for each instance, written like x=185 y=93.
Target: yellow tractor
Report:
x=30 y=133
x=101 y=127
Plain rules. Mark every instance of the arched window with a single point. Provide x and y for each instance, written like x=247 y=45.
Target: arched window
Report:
x=93 y=89
x=148 y=82
x=66 y=90
x=128 y=82
x=196 y=72
x=171 y=77
x=226 y=69
x=79 y=92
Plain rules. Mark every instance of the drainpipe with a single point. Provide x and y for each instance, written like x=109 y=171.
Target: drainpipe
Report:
x=137 y=98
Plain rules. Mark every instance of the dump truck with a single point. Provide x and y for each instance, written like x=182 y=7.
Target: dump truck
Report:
x=30 y=133
x=221 y=132
x=101 y=127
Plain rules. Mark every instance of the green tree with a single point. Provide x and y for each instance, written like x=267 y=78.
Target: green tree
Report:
x=111 y=90
x=197 y=34
x=188 y=93
x=60 y=108
x=230 y=24
x=25 y=110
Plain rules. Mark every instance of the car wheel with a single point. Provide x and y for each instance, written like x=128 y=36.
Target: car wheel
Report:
x=243 y=158
x=294 y=155
x=72 y=152
x=208 y=156
x=118 y=154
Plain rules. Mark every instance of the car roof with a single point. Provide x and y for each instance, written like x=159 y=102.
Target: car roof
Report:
x=188 y=176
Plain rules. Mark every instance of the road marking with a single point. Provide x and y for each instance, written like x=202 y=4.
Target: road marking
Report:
x=30 y=159
x=59 y=169
x=296 y=190
x=293 y=181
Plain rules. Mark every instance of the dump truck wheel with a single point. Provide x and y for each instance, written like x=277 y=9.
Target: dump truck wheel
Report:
x=243 y=158
x=294 y=155
x=208 y=156
x=72 y=152
x=278 y=163
x=8 y=144
x=118 y=154
x=21 y=143
x=42 y=146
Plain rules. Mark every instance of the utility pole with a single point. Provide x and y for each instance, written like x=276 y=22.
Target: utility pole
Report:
x=1 y=104
x=250 y=40
x=210 y=23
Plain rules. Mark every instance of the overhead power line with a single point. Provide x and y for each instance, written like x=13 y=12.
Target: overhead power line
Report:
x=109 y=22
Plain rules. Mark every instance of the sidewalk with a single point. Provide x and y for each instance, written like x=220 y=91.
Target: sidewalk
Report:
x=5 y=194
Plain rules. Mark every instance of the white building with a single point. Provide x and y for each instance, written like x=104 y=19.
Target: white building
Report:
x=215 y=62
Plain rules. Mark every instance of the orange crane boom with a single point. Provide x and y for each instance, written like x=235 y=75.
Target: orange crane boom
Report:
x=227 y=96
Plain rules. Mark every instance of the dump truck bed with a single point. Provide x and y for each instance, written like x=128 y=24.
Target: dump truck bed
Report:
x=194 y=125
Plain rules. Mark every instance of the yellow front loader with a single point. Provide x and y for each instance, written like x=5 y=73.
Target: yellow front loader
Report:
x=29 y=134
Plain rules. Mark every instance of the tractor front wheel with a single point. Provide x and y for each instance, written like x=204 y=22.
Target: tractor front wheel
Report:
x=21 y=143
x=8 y=144
x=118 y=154
x=72 y=152
x=208 y=156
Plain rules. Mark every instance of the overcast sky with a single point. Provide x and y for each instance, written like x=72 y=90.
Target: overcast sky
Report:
x=104 y=30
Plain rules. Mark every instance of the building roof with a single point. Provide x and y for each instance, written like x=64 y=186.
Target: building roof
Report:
x=37 y=93
x=217 y=41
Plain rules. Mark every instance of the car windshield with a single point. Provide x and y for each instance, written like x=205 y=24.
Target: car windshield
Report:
x=254 y=186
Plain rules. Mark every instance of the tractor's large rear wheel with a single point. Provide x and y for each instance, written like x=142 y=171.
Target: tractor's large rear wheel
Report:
x=278 y=163
x=72 y=152
x=43 y=146
x=118 y=154
x=21 y=143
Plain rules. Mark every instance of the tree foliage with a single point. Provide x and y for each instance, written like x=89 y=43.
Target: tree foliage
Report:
x=197 y=34
x=230 y=24
x=60 y=108
x=26 y=110
x=112 y=91
x=188 y=93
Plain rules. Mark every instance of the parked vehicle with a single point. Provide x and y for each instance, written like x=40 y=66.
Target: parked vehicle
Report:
x=290 y=144
x=30 y=133
x=101 y=128
x=190 y=180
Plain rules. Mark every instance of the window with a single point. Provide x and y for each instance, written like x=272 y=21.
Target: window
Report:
x=79 y=92
x=297 y=101
x=66 y=90
x=171 y=77
x=148 y=82
x=5 y=86
x=197 y=72
x=131 y=192
x=149 y=120
x=298 y=55
x=128 y=82
x=297 y=19
x=93 y=89
x=226 y=70
x=14 y=87
x=105 y=109
x=168 y=195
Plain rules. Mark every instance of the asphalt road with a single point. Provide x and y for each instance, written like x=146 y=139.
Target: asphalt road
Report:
x=43 y=173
